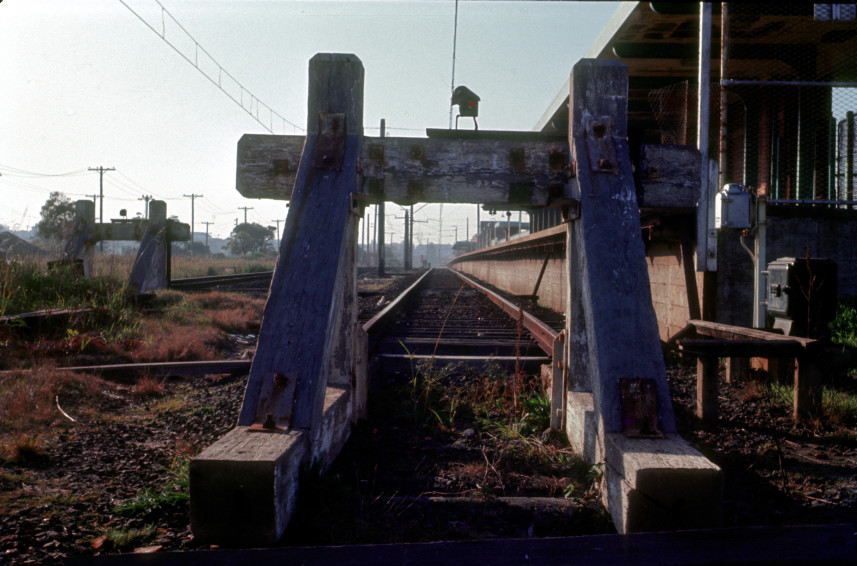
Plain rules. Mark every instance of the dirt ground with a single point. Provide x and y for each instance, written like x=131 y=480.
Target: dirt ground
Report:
x=397 y=480
x=775 y=471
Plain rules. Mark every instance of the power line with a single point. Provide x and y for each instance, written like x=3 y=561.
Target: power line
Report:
x=253 y=104
x=15 y=172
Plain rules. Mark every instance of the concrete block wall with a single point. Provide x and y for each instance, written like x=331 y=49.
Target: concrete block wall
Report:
x=791 y=231
x=824 y=233
x=668 y=286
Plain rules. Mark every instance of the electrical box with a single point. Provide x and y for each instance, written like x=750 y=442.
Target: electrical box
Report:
x=732 y=208
x=801 y=295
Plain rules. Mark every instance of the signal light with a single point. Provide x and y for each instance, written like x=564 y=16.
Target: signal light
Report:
x=467 y=102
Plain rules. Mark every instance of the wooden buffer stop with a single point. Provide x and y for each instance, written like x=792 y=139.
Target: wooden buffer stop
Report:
x=308 y=379
x=151 y=269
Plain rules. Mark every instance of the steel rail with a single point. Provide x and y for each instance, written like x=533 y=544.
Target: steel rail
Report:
x=543 y=334
x=385 y=314
x=214 y=280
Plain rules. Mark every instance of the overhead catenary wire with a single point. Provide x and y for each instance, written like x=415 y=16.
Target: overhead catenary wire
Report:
x=253 y=104
x=10 y=171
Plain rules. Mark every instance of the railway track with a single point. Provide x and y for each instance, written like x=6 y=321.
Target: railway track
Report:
x=258 y=282
x=447 y=318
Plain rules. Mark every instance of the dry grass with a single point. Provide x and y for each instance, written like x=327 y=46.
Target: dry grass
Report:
x=191 y=325
x=28 y=405
x=164 y=341
x=148 y=386
x=23 y=448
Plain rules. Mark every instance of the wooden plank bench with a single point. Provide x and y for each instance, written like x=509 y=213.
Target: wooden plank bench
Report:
x=738 y=345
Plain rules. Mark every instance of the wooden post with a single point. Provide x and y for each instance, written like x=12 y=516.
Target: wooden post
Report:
x=620 y=324
x=80 y=244
x=613 y=329
x=244 y=487
x=308 y=283
x=150 y=270
x=558 y=386
x=707 y=388
x=808 y=390
x=737 y=369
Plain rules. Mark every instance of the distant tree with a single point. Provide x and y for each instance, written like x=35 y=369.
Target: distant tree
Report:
x=57 y=217
x=197 y=249
x=249 y=238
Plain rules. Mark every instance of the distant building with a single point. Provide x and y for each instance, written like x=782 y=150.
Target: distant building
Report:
x=12 y=247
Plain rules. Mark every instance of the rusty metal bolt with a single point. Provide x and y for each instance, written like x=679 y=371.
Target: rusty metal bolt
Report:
x=269 y=421
x=280 y=379
x=604 y=164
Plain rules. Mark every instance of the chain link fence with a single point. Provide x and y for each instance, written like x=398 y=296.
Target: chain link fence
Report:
x=790 y=94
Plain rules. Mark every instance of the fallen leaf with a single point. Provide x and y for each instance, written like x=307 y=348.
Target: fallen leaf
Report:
x=99 y=542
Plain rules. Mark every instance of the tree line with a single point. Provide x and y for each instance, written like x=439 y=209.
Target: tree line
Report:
x=57 y=221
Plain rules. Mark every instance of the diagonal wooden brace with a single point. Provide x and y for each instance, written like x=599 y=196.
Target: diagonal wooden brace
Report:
x=243 y=488
x=654 y=483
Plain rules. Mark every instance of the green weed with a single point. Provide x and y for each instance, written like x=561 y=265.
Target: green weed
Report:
x=843 y=327
x=174 y=493
x=120 y=539
x=839 y=407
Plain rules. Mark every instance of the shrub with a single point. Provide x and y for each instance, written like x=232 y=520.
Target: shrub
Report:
x=843 y=327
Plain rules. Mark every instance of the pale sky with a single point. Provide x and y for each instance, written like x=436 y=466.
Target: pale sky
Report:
x=86 y=84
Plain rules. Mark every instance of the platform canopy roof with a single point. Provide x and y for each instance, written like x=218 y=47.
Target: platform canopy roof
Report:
x=659 y=42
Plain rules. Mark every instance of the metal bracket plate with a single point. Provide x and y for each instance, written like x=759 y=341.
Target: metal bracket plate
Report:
x=276 y=404
x=598 y=132
x=638 y=398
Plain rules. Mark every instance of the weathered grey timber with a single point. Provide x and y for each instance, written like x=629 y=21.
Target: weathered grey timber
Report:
x=307 y=335
x=670 y=175
x=79 y=245
x=471 y=169
x=307 y=341
x=612 y=326
x=151 y=269
x=738 y=344
x=151 y=266
x=498 y=168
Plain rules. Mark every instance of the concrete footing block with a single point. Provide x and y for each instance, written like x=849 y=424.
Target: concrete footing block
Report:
x=581 y=424
x=335 y=426
x=244 y=487
x=659 y=485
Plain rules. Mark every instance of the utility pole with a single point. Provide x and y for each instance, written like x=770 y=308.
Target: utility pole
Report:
x=101 y=171
x=192 y=198
x=207 y=224
x=277 y=220
x=94 y=199
x=381 y=248
x=147 y=198
x=406 y=260
x=245 y=209
x=478 y=229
